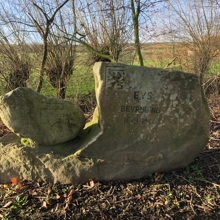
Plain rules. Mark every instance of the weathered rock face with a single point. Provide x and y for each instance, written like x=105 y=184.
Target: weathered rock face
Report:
x=49 y=163
x=147 y=120
x=46 y=121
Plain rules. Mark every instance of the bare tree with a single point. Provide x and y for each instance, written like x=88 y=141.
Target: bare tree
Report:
x=196 y=23
x=59 y=67
x=42 y=16
x=135 y=17
x=142 y=12
x=61 y=53
x=102 y=27
x=15 y=58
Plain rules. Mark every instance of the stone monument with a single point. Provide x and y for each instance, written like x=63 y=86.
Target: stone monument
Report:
x=147 y=120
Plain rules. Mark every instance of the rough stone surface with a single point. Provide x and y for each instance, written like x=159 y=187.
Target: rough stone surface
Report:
x=147 y=120
x=48 y=163
x=46 y=121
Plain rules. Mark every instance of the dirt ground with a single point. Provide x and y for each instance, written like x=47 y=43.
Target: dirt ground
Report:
x=189 y=193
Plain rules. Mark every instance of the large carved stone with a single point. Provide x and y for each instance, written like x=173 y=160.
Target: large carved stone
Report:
x=46 y=121
x=147 y=120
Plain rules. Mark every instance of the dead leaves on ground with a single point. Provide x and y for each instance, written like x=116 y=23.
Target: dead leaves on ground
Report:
x=214 y=141
x=180 y=193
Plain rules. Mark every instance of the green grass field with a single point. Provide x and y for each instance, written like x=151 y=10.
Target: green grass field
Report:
x=81 y=83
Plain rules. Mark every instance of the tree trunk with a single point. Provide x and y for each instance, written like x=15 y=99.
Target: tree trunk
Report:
x=135 y=17
x=137 y=42
x=43 y=63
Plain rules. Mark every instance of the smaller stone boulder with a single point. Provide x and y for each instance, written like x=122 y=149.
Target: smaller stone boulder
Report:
x=47 y=121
